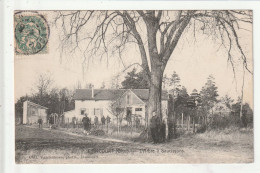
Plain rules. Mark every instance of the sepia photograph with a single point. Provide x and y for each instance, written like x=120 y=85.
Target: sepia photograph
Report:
x=133 y=86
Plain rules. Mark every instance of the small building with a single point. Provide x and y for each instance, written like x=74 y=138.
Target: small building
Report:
x=32 y=112
x=99 y=102
x=221 y=109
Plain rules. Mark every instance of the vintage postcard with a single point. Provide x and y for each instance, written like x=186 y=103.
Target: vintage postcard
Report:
x=133 y=86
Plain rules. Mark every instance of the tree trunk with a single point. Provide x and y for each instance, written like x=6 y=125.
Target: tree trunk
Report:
x=154 y=100
x=242 y=95
x=170 y=117
x=107 y=127
x=117 y=126
x=166 y=130
x=174 y=124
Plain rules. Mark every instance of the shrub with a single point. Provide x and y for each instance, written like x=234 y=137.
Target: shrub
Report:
x=202 y=128
x=97 y=132
x=222 y=122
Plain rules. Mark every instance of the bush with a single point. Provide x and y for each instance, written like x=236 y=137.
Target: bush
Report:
x=202 y=128
x=222 y=122
x=98 y=132
x=126 y=128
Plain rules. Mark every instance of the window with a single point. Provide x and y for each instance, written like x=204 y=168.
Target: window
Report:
x=138 y=109
x=82 y=111
x=128 y=99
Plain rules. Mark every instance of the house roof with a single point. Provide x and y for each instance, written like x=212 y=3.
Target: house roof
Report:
x=36 y=105
x=112 y=94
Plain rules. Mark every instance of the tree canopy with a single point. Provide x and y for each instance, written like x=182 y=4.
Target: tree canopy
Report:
x=209 y=93
x=135 y=80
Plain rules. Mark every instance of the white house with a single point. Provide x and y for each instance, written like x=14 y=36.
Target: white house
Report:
x=98 y=102
x=32 y=112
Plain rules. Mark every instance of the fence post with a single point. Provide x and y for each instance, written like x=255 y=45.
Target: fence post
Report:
x=193 y=124
x=166 y=130
x=131 y=126
x=107 y=127
x=187 y=123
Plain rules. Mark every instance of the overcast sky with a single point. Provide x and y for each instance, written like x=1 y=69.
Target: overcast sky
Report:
x=193 y=61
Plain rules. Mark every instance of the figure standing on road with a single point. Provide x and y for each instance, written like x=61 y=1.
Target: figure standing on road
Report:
x=51 y=120
x=108 y=119
x=103 y=121
x=40 y=122
x=74 y=121
x=85 y=121
x=96 y=121
x=89 y=124
x=137 y=122
x=154 y=127
x=163 y=131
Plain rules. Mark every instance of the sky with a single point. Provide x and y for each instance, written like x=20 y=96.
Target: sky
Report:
x=193 y=60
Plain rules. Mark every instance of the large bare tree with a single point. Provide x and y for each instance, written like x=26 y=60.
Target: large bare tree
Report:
x=156 y=33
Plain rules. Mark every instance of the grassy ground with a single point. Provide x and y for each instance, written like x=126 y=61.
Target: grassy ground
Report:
x=53 y=146
x=110 y=132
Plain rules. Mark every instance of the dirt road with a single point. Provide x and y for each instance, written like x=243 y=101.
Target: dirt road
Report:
x=53 y=146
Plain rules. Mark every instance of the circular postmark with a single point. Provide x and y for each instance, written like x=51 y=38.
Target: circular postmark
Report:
x=31 y=33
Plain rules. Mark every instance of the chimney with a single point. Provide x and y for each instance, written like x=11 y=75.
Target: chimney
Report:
x=92 y=88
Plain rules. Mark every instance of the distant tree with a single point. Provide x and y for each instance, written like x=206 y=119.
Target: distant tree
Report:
x=78 y=86
x=56 y=100
x=103 y=86
x=142 y=80
x=43 y=84
x=180 y=102
x=135 y=80
x=194 y=93
x=228 y=101
x=89 y=86
x=53 y=102
x=194 y=102
x=209 y=94
x=242 y=96
x=115 y=82
x=236 y=107
x=174 y=82
x=117 y=110
x=176 y=106
x=247 y=112
x=165 y=81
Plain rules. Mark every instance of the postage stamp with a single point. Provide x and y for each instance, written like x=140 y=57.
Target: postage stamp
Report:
x=31 y=33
